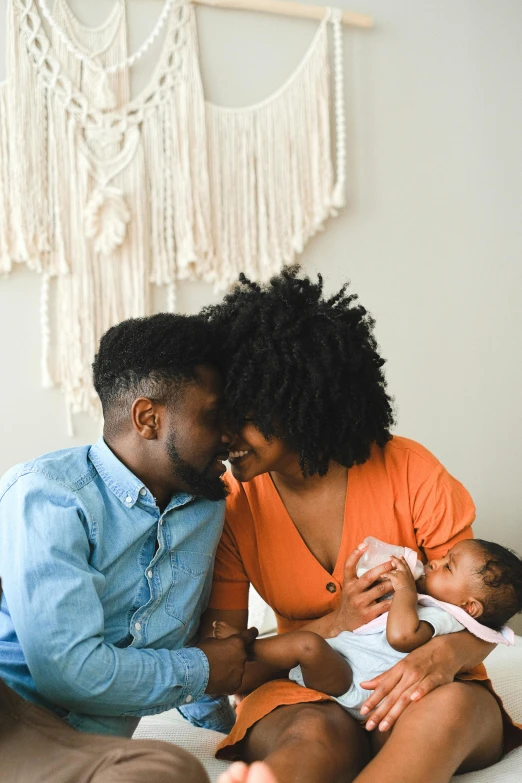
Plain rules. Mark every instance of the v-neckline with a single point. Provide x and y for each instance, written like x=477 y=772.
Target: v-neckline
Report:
x=338 y=569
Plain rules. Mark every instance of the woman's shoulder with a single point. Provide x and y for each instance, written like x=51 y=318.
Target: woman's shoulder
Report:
x=245 y=499
x=402 y=458
x=406 y=463
x=404 y=449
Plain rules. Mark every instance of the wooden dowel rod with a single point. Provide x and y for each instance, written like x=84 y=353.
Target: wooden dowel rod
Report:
x=288 y=8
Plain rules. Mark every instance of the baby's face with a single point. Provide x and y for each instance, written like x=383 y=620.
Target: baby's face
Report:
x=453 y=578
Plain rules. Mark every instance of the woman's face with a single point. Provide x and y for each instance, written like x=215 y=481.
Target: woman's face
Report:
x=252 y=454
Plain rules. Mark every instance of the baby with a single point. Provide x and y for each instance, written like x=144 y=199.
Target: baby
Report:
x=476 y=580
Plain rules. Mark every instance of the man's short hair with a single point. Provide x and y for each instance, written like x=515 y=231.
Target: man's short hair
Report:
x=151 y=357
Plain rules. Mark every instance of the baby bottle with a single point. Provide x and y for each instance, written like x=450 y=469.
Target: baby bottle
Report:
x=379 y=552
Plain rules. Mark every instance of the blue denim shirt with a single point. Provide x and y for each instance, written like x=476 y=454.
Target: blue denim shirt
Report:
x=103 y=592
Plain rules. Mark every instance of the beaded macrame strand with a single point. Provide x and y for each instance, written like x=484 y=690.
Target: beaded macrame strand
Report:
x=157 y=188
x=123 y=63
x=88 y=54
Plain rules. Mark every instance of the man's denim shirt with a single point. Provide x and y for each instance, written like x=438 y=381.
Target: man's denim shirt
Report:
x=103 y=593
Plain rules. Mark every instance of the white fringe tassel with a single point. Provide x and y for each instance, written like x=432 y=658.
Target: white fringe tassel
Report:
x=271 y=172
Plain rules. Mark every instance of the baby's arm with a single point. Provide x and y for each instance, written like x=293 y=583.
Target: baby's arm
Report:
x=404 y=631
x=323 y=668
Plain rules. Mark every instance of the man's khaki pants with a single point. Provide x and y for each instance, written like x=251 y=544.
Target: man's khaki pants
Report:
x=38 y=747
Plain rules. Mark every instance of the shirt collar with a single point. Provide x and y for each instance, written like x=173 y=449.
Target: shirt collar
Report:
x=119 y=479
x=122 y=482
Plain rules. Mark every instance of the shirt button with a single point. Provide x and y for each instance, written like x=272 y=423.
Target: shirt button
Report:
x=331 y=587
x=149 y=574
x=138 y=626
x=128 y=499
x=188 y=699
x=143 y=492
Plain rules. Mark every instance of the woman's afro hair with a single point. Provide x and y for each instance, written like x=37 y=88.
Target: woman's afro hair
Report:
x=304 y=368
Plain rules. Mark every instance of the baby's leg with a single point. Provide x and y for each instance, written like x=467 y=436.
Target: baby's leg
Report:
x=323 y=668
x=223 y=630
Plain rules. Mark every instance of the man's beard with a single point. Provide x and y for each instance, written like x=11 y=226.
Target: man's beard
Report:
x=198 y=482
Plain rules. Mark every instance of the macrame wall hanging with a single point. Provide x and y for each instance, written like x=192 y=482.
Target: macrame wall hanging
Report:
x=107 y=195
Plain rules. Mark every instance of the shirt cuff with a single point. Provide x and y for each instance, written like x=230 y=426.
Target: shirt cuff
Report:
x=197 y=672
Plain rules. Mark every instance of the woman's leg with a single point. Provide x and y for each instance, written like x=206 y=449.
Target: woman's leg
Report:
x=457 y=727
x=308 y=743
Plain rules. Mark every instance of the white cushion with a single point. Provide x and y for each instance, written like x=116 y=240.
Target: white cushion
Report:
x=171 y=727
x=504 y=667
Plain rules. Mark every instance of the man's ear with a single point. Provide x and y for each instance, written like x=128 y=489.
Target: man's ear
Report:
x=146 y=417
x=474 y=607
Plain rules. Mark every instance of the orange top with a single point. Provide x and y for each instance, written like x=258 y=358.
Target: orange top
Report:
x=402 y=495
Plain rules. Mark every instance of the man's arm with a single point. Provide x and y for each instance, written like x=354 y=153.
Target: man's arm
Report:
x=256 y=673
x=53 y=595
x=404 y=630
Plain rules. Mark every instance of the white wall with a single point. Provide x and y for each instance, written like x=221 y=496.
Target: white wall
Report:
x=431 y=238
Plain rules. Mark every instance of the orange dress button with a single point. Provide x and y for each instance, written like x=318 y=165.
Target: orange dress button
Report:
x=331 y=587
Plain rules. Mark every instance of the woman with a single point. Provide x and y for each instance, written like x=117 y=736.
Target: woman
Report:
x=315 y=470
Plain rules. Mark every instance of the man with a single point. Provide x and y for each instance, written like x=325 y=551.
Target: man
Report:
x=106 y=556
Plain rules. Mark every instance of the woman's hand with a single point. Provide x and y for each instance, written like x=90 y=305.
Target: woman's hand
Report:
x=359 y=599
x=424 y=669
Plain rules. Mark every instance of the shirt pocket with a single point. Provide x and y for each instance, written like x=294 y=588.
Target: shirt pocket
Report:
x=189 y=590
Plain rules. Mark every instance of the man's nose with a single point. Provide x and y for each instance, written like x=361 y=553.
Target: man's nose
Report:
x=227 y=436
x=227 y=431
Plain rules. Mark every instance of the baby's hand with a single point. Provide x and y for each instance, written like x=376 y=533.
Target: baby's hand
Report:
x=400 y=576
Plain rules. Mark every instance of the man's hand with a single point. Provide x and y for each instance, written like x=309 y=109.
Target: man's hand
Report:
x=227 y=658
x=359 y=604
x=423 y=670
x=401 y=577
